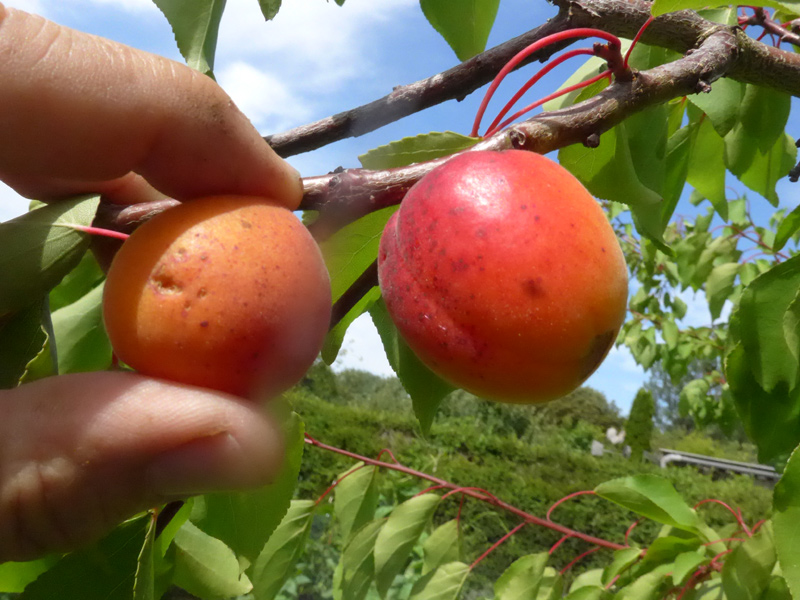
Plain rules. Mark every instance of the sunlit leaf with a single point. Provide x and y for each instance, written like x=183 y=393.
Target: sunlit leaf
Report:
x=464 y=24
x=442 y=546
x=522 y=579
x=747 y=570
x=416 y=149
x=357 y=563
x=444 y=583
x=195 y=24
x=355 y=499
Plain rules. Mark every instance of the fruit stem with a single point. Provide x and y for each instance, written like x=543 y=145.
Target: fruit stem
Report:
x=496 y=544
x=110 y=233
x=580 y=32
x=552 y=96
x=579 y=558
x=636 y=41
x=532 y=81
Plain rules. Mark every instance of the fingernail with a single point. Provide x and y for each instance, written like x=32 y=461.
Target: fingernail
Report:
x=211 y=464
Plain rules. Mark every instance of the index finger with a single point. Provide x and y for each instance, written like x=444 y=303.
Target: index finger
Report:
x=77 y=107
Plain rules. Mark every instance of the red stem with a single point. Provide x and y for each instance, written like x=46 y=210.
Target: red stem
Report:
x=636 y=41
x=579 y=558
x=527 y=517
x=337 y=482
x=736 y=515
x=533 y=80
x=552 y=96
x=555 y=546
x=565 y=498
x=630 y=529
x=99 y=231
x=580 y=32
x=496 y=544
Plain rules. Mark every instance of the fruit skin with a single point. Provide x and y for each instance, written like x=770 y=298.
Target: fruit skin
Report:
x=503 y=275
x=229 y=293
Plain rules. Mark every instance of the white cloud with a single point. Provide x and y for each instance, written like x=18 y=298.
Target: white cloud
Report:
x=267 y=100
x=362 y=349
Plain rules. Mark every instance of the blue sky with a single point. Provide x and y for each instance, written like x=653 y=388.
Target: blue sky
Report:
x=316 y=59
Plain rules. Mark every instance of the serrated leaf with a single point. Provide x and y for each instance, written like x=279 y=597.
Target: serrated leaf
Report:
x=427 y=390
x=787 y=228
x=22 y=339
x=144 y=582
x=771 y=420
x=748 y=569
x=195 y=24
x=444 y=583
x=206 y=567
x=276 y=562
x=246 y=520
x=652 y=497
x=464 y=24
x=357 y=563
x=81 y=337
x=398 y=536
x=759 y=318
x=15 y=576
x=442 y=546
x=355 y=499
x=40 y=248
x=103 y=571
x=551 y=586
x=77 y=283
x=522 y=579
x=420 y=148
x=719 y=286
x=786 y=513
x=650 y=586
x=589 y=592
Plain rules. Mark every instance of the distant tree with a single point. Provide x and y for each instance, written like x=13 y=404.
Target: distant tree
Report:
x=321 y=381
x=372 y=391
x=584 y=404
x=666 y=392
x=639 y=428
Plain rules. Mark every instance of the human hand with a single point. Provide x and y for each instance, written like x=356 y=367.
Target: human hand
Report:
x=79 y=453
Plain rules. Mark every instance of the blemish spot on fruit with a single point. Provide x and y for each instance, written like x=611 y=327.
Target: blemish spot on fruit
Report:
x=536 y=218
x=533 y=287
x=204 y=256
x=524 y=206
x=603 y=249
x=204 y=324
x=201 y=293
x=459 y=265
x=166 y=283
x=601 y=344
x=246 y=224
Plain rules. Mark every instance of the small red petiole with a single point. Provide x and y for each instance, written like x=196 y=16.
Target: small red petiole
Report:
x=110 y=233
x=636 y=40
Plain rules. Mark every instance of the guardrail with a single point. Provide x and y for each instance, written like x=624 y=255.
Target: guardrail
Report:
x=762 y=472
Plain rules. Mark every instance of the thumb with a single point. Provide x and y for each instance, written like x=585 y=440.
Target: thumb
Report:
x=80 y=453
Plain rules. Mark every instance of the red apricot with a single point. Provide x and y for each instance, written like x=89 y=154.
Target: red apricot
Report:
x=504 y=276
x=229 y=293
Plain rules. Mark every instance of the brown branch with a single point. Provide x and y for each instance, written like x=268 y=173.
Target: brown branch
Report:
x=405 y=100
x=350 y=194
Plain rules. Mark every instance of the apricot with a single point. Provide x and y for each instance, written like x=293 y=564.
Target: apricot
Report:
x=229 y=293
x=504 y=276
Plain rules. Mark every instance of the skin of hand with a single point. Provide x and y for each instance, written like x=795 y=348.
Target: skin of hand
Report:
x=79 y=453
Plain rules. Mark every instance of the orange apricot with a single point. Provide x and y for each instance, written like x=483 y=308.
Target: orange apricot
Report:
x=229 y=293
x=504 y=276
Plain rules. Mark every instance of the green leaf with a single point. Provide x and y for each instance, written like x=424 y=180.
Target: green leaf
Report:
x=685 y=564
x=427 y=390
x=420 y=148
x=464 y=24
x=787 y=228
x=442 y=546
x=245 y=520
x=719 y=286
x=786 y=515
x=22 y=339
x=707 y=167
x=40 y=248
x=623 y=560
x=667 y=548
x=588 y=592
x=357 y=563
x=721 y=104
x=103 y=571
x=747 y=571
x=195 y=24
x=771 y=419
x=608 y=173
x=77 y=283
x=398 y=536
x=276 y=562
x=522 y=579
x=270 y=8
x=144 y=582
x=760 y=318
x=652 y=497
x=670 y=332
x=444 y=583
x=355 y=499
x=767 y=168
x=15 y=576
x=552 y=585
x=778 y=589
x=661 y=7
x=206 y=567
x=650 y=586
x=81 y=337
x=335 y=337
